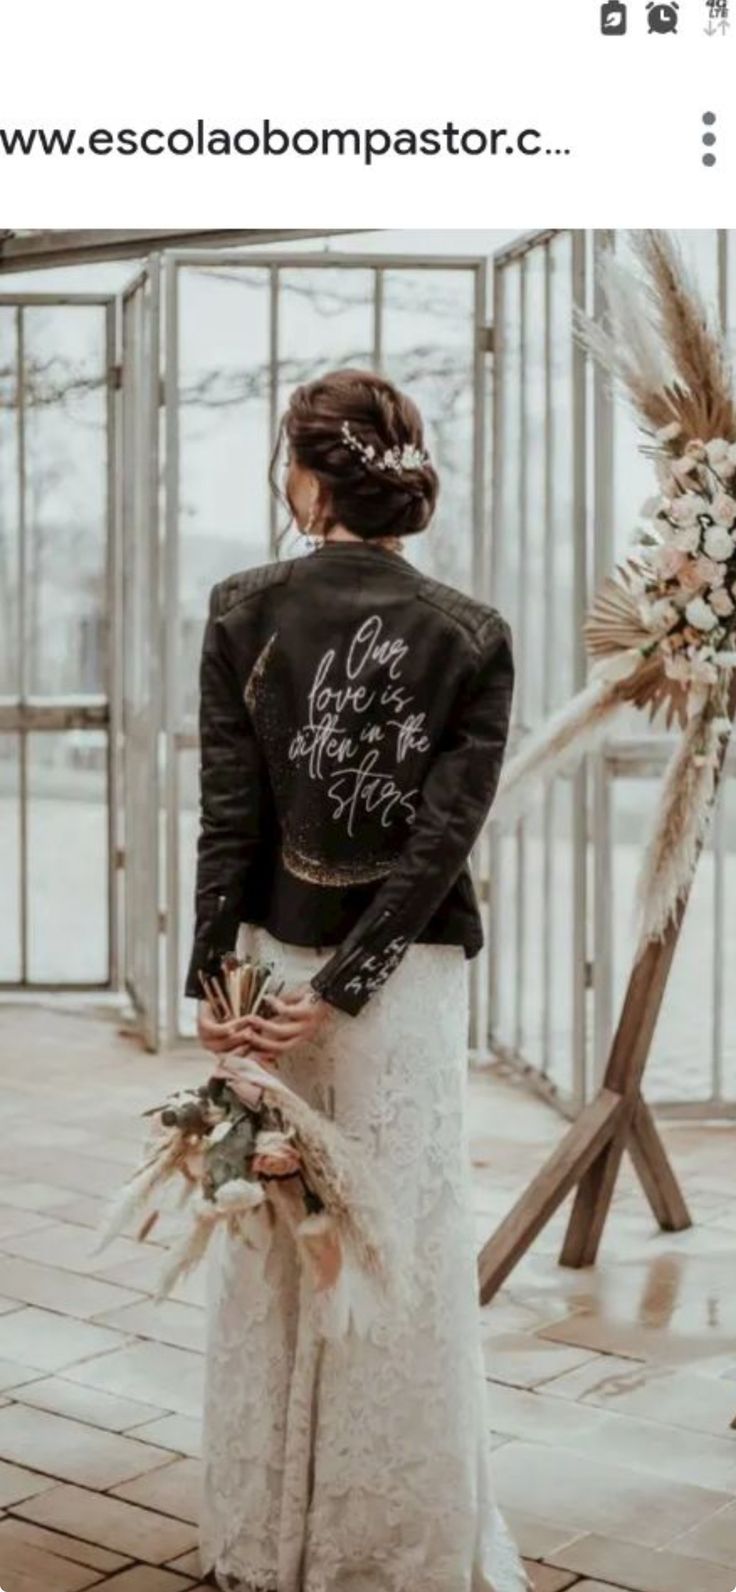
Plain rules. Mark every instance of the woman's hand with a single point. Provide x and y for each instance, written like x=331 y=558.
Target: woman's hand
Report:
x=296 y=1017
x=222 y=1038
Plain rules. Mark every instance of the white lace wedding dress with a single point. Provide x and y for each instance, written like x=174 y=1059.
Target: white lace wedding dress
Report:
x=363 y=1465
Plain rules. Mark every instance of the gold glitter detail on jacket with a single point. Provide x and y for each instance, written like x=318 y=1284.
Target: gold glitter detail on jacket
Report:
x=257 y=673
x=340 y=875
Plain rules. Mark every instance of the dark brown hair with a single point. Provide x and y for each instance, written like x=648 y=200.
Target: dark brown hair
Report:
x=354 y=492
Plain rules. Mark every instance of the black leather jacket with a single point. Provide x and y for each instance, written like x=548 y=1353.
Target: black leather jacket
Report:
x=353 y=720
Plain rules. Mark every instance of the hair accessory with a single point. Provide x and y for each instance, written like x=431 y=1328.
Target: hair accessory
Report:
x=395 y=459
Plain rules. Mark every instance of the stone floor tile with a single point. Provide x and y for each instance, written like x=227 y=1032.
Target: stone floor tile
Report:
x=17 y=1484
x=153 y=1372
x=599 y=1586
x=13 y=1374
x=713 y=1539
x=6 y=1305
x=77 y=1173
x=536 y=1537
x=641 y=1569
x=85 y=1210
x=188 y=1564
x=524 y=1361
x=144 y=1274
x=69 y=1248
x=77 y=1296
x=14 y=1222
x=167 y=1322
x=32 y=1196
x=675 y=1398
x=91 y=1405
x=587 y=1494
x=598 y=1378
x=174 y=1490
x=72 y=1452
x=50 y=1342
x=531 y=1414
x=147 y=1578
x=181 y=1433
x=13 y=1529
x=649 y=1446
x=140 y=1533
x=545 y=1579
x=27 y=1568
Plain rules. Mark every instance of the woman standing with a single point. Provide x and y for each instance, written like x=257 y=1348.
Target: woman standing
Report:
x=353 y=719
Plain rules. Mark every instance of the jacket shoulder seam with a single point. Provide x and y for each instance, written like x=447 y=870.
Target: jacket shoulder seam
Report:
x=480 y=623
x=237 y=589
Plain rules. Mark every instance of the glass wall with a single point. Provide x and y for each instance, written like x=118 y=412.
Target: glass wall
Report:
x=537 y=880
x=570 y=477
x=54 y=642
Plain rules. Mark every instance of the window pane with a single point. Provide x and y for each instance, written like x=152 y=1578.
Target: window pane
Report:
x=224 y=398
x=67 y=857
x=66 y=499
x=10 y=860
x=9 y=657
x=428 y=338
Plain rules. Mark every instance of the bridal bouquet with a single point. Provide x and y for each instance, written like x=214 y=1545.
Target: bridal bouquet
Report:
x=244 y=1151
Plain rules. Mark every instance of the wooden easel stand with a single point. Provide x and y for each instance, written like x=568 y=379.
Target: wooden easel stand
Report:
x=589 y=1156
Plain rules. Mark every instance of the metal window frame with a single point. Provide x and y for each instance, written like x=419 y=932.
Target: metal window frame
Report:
x=26 y=714
x=142 y=913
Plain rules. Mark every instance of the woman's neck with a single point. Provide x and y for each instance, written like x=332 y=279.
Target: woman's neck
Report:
x=340 y=533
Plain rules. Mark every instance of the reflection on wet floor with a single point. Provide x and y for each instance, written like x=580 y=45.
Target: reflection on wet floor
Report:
x=610 y=1391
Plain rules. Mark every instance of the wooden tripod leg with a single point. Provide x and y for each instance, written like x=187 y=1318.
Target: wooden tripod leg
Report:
x=626 y=1063
x=579 y=1148
x=655 y=1172
x=593 y=1199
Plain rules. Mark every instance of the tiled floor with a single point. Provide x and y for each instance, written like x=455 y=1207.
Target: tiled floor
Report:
x=610 y=1392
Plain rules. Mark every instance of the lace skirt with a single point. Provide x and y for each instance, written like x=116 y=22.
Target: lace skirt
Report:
x=363 y=1465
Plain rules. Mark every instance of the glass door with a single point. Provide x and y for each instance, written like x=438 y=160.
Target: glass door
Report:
x=58 y=880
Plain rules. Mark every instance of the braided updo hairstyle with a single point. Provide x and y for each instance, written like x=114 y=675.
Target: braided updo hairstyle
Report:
x=354 y=491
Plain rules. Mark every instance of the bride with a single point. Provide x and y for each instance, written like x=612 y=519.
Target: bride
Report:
x=353 y=720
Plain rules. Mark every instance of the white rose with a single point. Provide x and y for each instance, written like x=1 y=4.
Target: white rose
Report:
x=685 y=509
x=718 y=451
x=718 y=543
x=724 y=508
x=239 y=1194
x=721 y=603
x=700 y=615
x=664 y=613
x=686 y=538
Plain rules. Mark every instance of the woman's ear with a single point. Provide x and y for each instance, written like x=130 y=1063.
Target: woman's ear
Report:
x=304 y=497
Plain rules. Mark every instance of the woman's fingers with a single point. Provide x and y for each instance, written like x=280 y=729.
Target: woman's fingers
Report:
x=281 y=1028
x=297 y=1004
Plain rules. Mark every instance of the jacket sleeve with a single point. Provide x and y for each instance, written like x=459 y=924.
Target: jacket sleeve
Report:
x=456 y=797
x=231 y=800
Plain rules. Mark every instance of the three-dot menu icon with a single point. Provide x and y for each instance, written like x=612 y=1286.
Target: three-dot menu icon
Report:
x=709 y=138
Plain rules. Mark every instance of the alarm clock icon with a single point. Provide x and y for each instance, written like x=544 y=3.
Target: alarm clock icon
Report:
x=663 y=16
